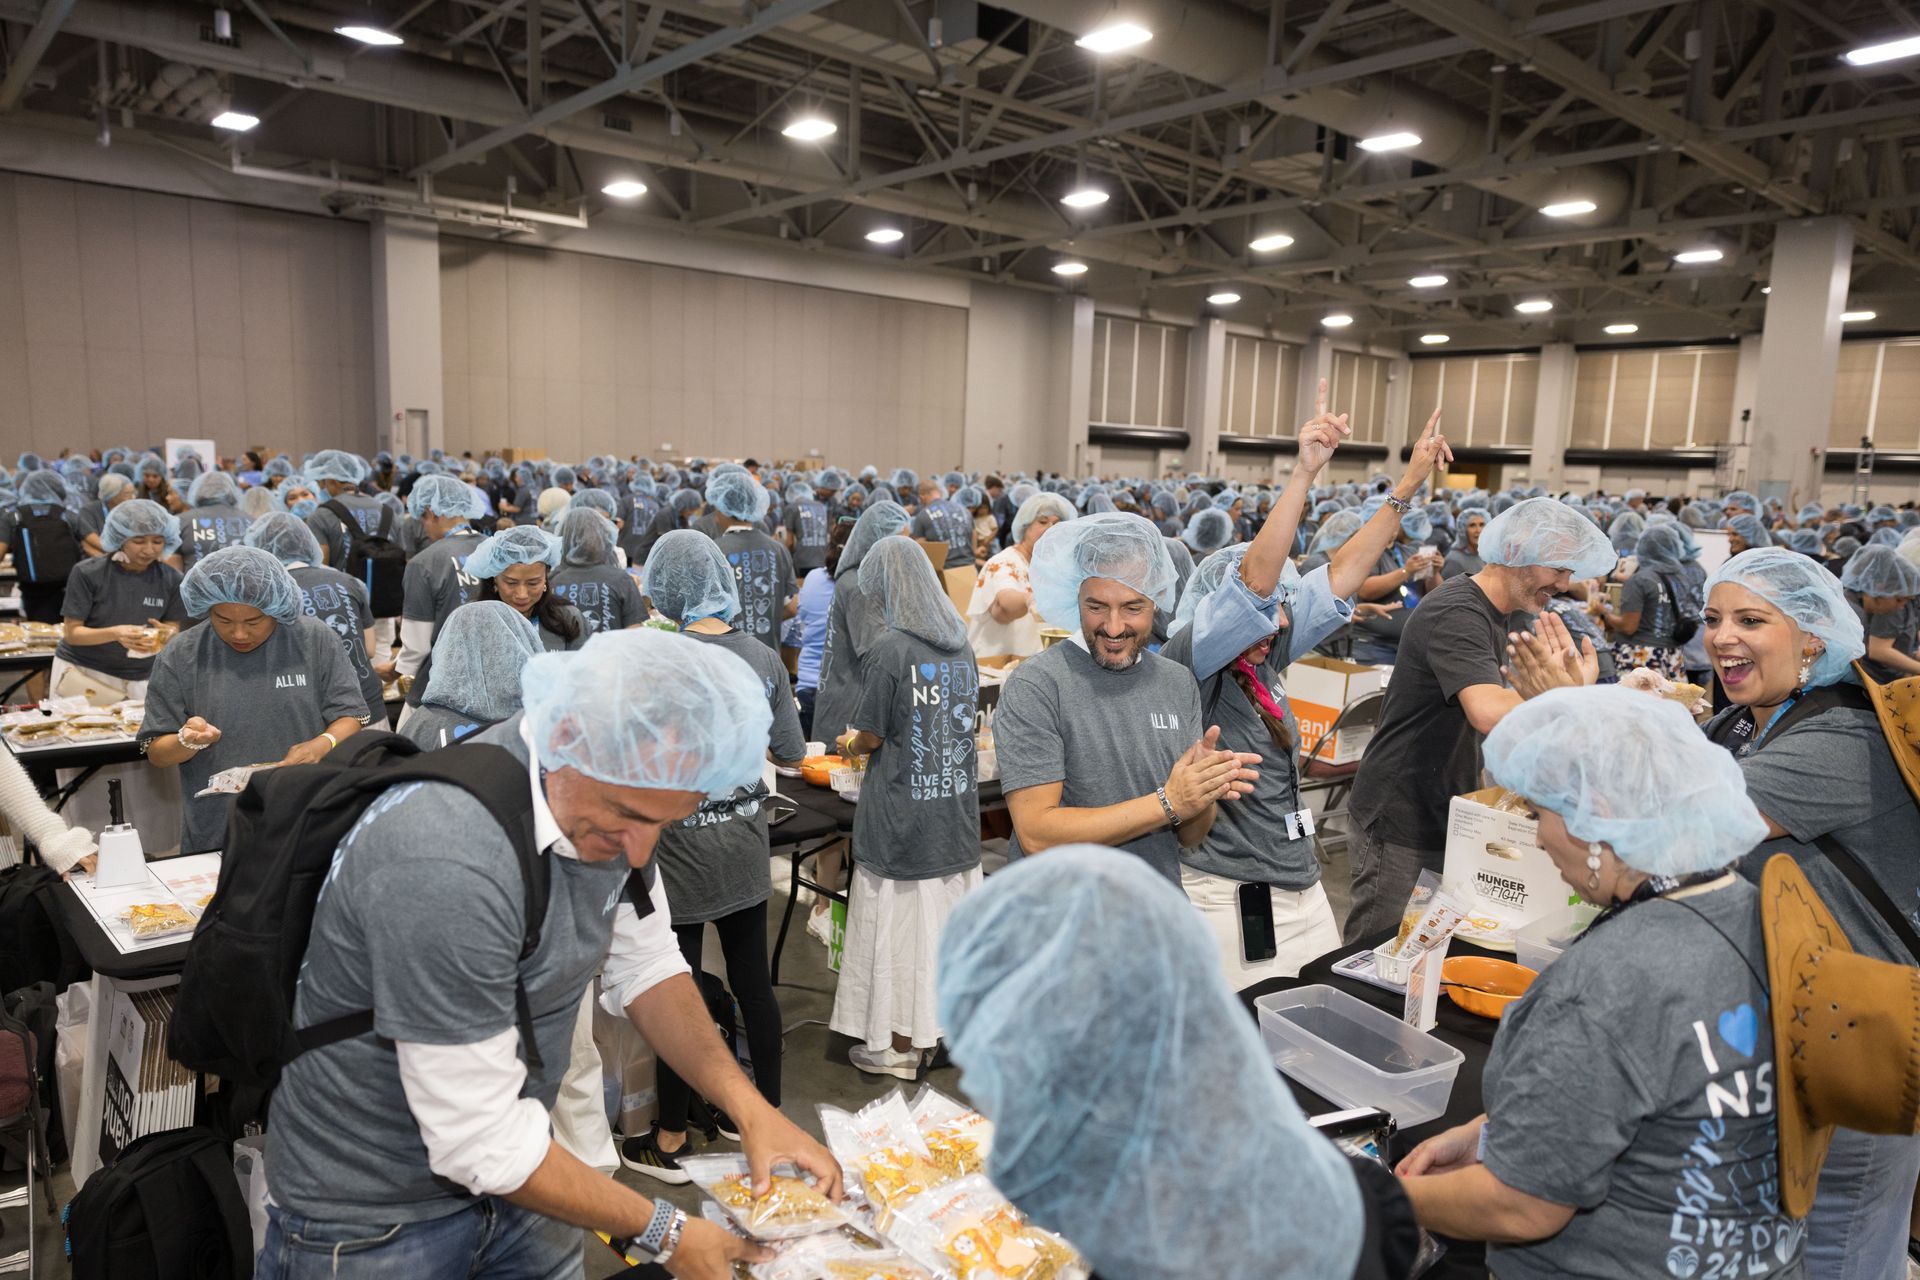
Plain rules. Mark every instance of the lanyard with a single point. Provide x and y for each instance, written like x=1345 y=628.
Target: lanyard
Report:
x=1762 y=736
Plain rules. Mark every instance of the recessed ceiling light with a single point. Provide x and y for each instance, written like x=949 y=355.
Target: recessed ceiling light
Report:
x=1427 y=282
x=1699 y=255
x=1084 y=198
x=369 y=35
x=1269 y=243
x=236 y=121
x=1618 y=329
x=1338 y=320
x=1849 y=317
x=1892 y=50
x=886 y=235
x=625 y=189
x=1112 y=39
x=810 y=129
x=1069 y=268
x=1766 y=288
x=1533 y=306
x=1225 y=299
x=1435 y=339
x=1568 y=208
x=1390 y=142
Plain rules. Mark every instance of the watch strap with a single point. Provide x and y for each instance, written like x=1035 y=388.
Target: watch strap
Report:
x=1173 y=819
x=654 y=1237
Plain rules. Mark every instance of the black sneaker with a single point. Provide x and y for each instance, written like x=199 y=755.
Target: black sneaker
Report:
x=719 y=1125
x=643 y=1155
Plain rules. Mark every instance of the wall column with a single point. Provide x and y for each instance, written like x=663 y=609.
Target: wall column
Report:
x=1316 y=362
x=1402 y=421
x=406 y=332
x=1552 y=415
x=1071 y=401
x=1799 y=356
x=1206 y=380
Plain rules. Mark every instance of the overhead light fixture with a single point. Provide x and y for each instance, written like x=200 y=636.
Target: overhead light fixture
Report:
x=1338 y=320
x=369 y=35
x=1891 y=51
x=1618 y=330
x=1427 y=282
x=1692 y=256
x=1849 y=317
x=1568 y=208
x=1225 y=299
x=1435 y=339
x=810 y=129
x=234 y=121
x=886 y=235
x=1390 y=141
x=1533 y=306
x=1069 y=268
x=1084 y=198
x=1112 y=39
x=1766 y=288
x=1269 y=243
x=625 y=189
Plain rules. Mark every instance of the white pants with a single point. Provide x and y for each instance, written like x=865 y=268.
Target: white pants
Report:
x=580 y=1112
x=1303 y=927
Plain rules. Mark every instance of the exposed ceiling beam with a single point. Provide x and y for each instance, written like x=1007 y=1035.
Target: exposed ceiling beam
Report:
x=32 y=49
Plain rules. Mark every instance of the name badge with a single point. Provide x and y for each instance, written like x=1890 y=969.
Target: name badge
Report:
x=1299 y=824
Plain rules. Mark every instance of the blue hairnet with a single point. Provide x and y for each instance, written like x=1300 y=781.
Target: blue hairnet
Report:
x=650 y=709
x=1909 y=547
x=1751 y=531
x=879 y=519
x=240 y=575
x=685 y=500
x=215 y=488
x=738 y=496
x=1812 y=513
x=799 y=491
x=1123 y=547
x=971 y=496
x=442 y=496
x=1879 y=571
x=140 y=518
x=1745 y=499
x=1208 y=530
x=869 y=473
x=1210 y=573
x=564 y=478
x=1879 y=514
x=1417 y=525
x=1035 y=506
x=1334 y=532
x=1199 y=502
x=953 y=479
x=1908 y=518
x=897 y=574
x=1885 y=538
x=44 y=486
x=1631 y=494
x=594 y=500
x=832 y=478
x=522 y=544
x=1806 y=541
x=1852 y=510
x=477 y=659
x=905 y=478
x=30 y=461
x=689 y=579
x=1542 y=532
x=277 y=467
x=587 y=537
x=1625 y=532
x=1662 y=548
x=333 y=464
x=1097 y=502
x=1631 y=771
x=285 y=537
x=1809 y=595
x=1118 y=1157
x=1165 y=505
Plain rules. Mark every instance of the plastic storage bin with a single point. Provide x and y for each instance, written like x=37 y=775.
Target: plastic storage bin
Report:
x=1351 y=1053
x=1541 y=943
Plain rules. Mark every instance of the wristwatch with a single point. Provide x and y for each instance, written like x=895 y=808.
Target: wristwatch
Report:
x=1173 y=819
x=659 y=1240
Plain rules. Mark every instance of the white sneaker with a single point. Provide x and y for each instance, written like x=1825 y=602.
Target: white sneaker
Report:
x=901 y=1066
x=820 y=925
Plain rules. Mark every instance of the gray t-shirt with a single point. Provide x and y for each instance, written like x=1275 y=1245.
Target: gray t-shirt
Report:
x=286 y=691
x=947 y=521
x=1424 y=752
x=1901 y=626
x=1832 y=774
x=204 y=530
x=1461 y=561
x=367 y=513
x=1635 y=1082
x=1107 y=736
x=854 y=623
x=436 y=583
x=919 y=814
x=344 y=605
x=553 y=642
x=812 y=532
x=103 y=594
x=434 y=726
x=763 y=572
x=605 y=593
x=715 y=862
x=426 y=931
x=1643 y=594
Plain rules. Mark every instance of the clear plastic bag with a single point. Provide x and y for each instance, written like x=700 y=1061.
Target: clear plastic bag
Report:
x=872 y=1266
x=159 y=919
x=968 y=1231
x=791 y=1207
x=958 y=1138
x=882 y=1147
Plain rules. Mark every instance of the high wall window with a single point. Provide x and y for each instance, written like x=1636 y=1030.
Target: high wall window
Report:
x=1139 y=374
x=1257 y=398
x=1358 y=386
x=1483 y=400
x=1876 y=394
x=1653 y=399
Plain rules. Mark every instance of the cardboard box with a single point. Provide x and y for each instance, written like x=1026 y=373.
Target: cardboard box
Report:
x=960 y=583
x=1494 y=856
x=1317 y=688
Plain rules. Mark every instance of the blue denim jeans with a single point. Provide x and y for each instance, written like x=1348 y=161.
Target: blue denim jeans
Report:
x=489 y=1240
x=1858 y=1227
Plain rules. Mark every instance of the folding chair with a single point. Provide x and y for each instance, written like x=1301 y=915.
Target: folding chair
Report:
x=1335 y=781
x=20 y=1136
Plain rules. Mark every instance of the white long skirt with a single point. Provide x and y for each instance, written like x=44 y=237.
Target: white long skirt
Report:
x=891 y=953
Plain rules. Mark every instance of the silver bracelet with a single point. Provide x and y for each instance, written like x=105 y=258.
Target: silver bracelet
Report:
x=674 y=1232
x=191 y=746
x=1402 y=507
x=1173 y=819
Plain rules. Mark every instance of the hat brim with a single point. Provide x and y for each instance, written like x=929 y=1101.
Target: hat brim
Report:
x=1887 y=701
x=1794 y=922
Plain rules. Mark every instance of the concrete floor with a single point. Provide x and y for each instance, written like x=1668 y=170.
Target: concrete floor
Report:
x=815 y=1071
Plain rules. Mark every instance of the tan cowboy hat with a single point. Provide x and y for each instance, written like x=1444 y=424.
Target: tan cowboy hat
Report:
x=1845 y=1031
x=1898 y=706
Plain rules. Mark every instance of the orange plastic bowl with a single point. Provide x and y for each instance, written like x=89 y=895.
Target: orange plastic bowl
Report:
x=817 y=769
x=1500 y=983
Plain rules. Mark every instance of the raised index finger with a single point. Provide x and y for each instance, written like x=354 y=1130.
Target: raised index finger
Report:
x=1433 y=424
x=1320 y=401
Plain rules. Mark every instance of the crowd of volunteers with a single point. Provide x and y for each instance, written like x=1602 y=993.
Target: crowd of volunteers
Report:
x=650 y=642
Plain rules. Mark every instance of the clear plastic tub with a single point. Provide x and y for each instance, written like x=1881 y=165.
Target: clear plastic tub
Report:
x=1540 y=943
x=1351 y=1053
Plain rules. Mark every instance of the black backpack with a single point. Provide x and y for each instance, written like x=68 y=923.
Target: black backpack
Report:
x=234 y=1013
x=168 y=1208
x=1685 y=621
x=374 y=559
x=34 y=943
x=43 y=546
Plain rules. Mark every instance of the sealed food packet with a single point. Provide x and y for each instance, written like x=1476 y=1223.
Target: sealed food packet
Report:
x=958 y=1137
x=159 y=919
x=232 y=781
x=875 y=1266
x=967 y=1230
x=806 y=1257
x=791 y=1207
x=1433 y=913
x=882 y=1145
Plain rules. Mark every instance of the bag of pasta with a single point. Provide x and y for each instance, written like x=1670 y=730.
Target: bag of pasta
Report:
x=881 y=1146
x=967 y=1230
x=957 y=1136
x=792 y=1206
x=871 y=1266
